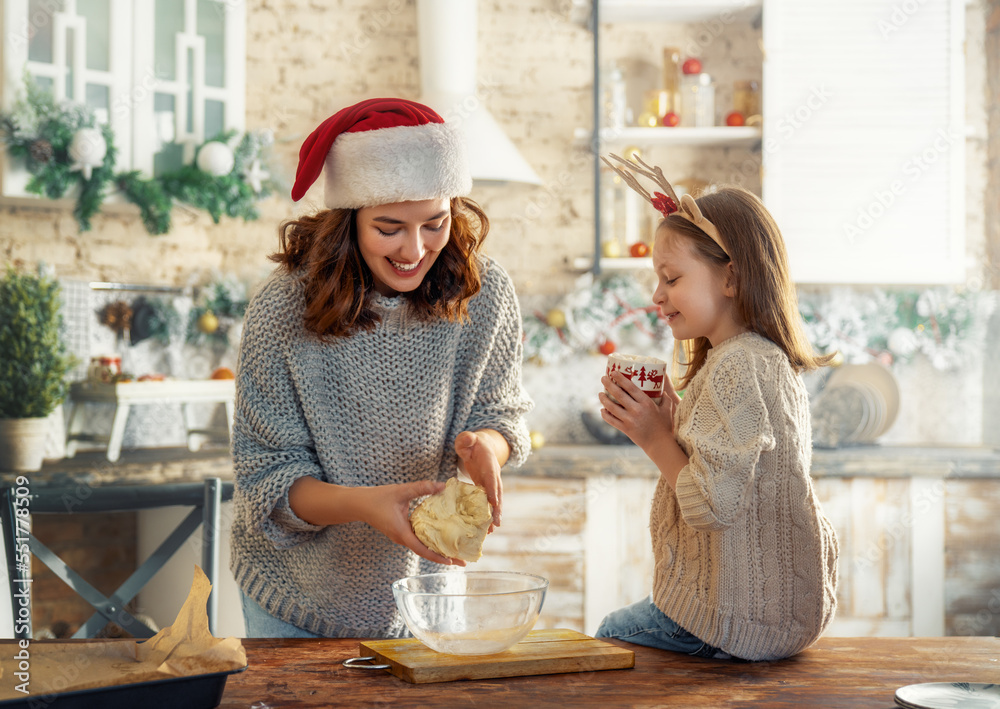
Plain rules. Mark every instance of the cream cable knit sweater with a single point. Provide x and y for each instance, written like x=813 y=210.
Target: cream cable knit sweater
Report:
x=375 y=408
x=744 y=558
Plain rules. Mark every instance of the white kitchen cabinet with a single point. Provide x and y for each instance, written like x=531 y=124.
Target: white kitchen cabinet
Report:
x=864 y=138
x=862 y=151
x=165 y=75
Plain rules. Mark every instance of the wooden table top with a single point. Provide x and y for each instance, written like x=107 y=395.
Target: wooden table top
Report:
x=836 y=672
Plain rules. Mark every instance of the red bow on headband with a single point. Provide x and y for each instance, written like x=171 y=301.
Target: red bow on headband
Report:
x=664 y=204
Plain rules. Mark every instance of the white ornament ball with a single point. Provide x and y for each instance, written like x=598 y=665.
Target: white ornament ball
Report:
x=87 y=150
x=902 y=342
x=216 y=159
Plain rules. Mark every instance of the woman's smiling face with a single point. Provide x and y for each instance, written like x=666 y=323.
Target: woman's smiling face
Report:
x=401 y=241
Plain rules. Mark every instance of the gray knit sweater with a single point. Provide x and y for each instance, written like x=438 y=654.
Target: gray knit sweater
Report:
x=375 y=408
x=745 y=558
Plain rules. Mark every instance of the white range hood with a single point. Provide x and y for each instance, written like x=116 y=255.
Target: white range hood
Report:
x=447 y=32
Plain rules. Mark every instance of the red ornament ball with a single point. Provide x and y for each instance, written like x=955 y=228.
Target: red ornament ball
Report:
x=607 y=347
x=671 y=119
x=691 y=66
x=735 y=119
x=638 y=249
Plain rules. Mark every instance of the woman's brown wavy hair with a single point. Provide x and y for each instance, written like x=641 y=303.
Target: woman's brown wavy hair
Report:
x=765 y=300
x=339 y=287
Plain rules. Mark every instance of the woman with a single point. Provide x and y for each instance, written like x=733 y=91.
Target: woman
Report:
x=383 y=353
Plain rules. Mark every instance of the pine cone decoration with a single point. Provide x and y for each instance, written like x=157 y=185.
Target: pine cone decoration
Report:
x=117 y=316
x=41 y=151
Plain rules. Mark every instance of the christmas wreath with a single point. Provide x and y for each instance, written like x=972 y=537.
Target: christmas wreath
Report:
x=62 y=147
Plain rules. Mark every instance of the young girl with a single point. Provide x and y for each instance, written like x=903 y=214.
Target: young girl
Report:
x=745 y=561
x=384 y=352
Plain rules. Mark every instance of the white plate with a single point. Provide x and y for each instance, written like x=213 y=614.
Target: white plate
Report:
x=949 y=695
x=877 y=376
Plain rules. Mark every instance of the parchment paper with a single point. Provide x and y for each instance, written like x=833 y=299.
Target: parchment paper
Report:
x=183 y=649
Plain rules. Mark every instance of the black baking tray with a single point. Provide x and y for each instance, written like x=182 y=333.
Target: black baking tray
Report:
x=195 y=692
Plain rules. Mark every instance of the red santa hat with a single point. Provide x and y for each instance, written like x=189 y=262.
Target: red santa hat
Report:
x=384 y=150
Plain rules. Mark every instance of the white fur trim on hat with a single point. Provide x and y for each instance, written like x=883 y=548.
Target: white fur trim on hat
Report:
x=399 y=164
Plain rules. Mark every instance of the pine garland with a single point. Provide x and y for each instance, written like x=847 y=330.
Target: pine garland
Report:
x=149 y=196
x=39 y=132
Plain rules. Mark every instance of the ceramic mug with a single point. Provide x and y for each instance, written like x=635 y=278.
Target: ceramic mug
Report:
x=645 y=372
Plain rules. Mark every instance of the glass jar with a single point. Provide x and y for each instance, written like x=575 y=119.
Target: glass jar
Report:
x=671 y=80
x=746 y=98
x=697 y=101
x=613 y=103
x=656 y=104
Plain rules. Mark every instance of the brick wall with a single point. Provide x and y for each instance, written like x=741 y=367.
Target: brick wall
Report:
x=100 y=547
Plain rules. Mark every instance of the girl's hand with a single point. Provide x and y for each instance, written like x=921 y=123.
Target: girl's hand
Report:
x=636 y=414
x=387 y=509
x=477 y=457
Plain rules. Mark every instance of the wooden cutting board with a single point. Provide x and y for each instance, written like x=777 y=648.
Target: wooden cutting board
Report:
x=542 y=652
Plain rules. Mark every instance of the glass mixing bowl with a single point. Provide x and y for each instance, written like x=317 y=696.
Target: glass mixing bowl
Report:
x=472 y=612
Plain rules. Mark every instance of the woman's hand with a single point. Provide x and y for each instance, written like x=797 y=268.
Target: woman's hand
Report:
x=383 y=507
x=479 y=456
x=387 y=509
x=636 y=414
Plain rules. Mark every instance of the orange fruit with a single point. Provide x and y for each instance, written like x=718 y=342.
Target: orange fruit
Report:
x=223 y=373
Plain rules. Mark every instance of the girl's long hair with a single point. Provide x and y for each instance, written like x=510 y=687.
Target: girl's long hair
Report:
x=339 y=287
x=765 y=300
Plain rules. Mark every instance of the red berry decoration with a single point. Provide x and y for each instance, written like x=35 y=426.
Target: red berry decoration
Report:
x=691 y=66
x=671 y=119
x=607 y=347
x=638 y=249
x=735 y=119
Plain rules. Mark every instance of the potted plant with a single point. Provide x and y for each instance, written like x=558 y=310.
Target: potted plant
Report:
x=33 y=365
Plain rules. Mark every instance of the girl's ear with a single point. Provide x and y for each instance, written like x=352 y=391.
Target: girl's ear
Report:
x=730 y=281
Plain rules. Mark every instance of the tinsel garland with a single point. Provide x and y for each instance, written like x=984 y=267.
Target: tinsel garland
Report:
x=945 y=325
x=39 y=131
x=614 y=308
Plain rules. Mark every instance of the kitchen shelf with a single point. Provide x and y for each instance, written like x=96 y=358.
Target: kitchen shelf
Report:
x=680 y=11
x=722 y=136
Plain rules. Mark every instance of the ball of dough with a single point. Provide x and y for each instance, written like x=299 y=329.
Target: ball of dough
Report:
x=454 y=521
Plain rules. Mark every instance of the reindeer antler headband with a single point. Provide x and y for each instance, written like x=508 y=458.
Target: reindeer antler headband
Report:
x=668 y=203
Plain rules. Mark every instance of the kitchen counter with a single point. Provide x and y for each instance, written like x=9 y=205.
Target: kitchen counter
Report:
x=849 y=461
x=912 y=522
x=836 y=672
x=153 y=465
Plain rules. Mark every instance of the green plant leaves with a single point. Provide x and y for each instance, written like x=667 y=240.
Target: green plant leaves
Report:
x=33 y=358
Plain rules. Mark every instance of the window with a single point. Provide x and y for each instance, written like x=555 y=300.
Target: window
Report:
x=166 y=74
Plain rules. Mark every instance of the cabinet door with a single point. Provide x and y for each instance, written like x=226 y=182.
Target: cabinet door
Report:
x=864 y=138
x=166 y=74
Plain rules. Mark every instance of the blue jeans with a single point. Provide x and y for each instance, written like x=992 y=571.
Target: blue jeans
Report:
x=261 y=624
x=643 y=623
